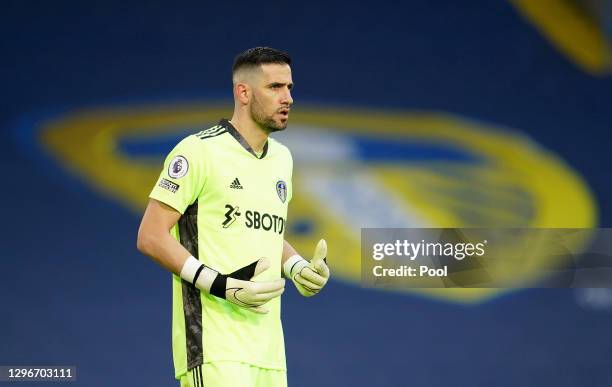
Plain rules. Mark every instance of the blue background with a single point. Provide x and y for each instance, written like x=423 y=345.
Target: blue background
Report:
x=100 y=305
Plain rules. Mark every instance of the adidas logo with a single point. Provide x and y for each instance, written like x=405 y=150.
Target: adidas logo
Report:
x=236 y=184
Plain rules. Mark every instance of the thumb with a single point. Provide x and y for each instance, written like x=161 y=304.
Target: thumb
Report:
x=320 y=253
x=251 y=270
x=262 y=265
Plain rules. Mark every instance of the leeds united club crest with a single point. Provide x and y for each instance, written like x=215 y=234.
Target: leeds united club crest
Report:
x=281 y=190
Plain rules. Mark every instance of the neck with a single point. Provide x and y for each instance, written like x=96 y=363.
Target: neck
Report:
x=251 y=131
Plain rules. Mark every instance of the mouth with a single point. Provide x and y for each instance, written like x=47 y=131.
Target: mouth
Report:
x=284 y=112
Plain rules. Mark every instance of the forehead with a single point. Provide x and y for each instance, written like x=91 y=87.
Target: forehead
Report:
x=275 y=72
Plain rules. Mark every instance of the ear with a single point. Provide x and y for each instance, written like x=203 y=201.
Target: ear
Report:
x=242 y=93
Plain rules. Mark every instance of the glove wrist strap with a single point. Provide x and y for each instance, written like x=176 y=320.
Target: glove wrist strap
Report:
x=191 y=269
x=290 y=264
x=203 y=277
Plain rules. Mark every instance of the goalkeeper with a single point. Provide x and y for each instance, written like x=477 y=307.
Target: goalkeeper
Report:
x=216 y=219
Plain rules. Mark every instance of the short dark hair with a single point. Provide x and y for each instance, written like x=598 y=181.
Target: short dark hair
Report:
x=260 y=55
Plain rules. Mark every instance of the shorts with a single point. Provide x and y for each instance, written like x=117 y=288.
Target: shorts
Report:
x=231 y=374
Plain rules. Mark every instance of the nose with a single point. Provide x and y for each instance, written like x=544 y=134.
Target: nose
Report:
x=286 y=98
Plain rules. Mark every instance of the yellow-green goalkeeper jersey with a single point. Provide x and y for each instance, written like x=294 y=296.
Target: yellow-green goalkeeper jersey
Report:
x=234 y=211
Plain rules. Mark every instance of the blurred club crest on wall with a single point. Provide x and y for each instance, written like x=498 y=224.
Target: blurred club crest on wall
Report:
x=353 y=169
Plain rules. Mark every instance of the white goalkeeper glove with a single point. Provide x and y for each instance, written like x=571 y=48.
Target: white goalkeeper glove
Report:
x=235 y=287
x=309 y=277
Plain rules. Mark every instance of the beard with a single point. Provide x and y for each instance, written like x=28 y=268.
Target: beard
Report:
x=265 y=121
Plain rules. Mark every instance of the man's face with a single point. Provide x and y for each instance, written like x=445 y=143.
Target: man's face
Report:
x=272 y=100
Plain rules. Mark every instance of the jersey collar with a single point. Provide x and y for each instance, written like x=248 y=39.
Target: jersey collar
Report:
x=236 y=134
